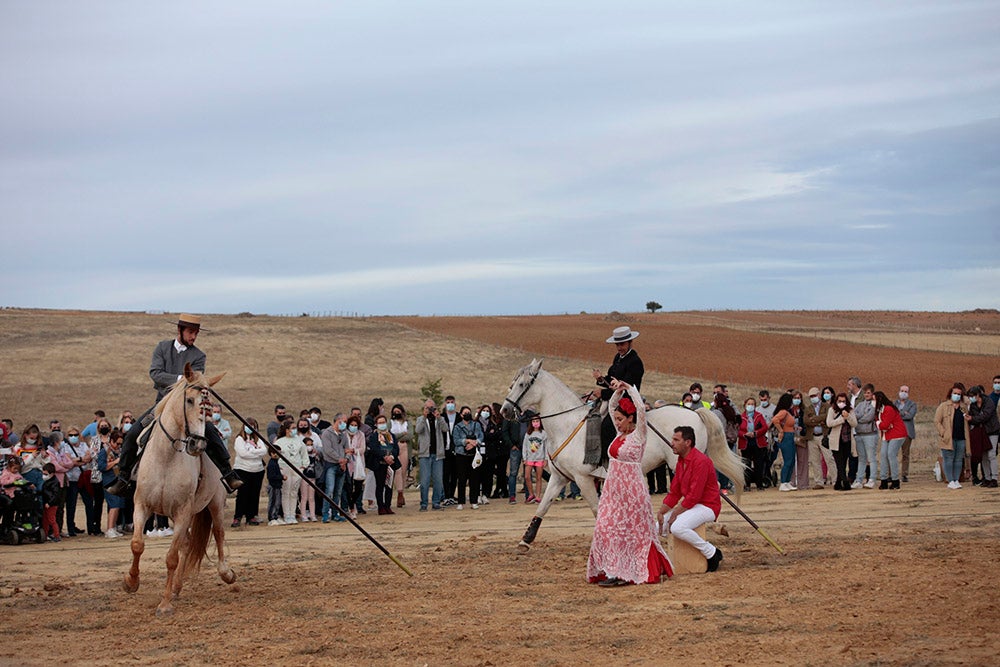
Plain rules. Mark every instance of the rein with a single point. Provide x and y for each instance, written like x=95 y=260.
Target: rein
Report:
x=520 y=411
x=190 y=440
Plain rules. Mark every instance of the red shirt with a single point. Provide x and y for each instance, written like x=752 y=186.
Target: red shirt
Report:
x=891 y=424
x=695 y=481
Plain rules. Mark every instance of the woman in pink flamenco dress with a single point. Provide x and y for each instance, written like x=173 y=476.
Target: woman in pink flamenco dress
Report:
x=626 y=549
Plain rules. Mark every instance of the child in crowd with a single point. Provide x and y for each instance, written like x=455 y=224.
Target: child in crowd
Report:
x=9 y=478
x=274 y=483
x=50 y=503
x=533 y=449
x=307 y=495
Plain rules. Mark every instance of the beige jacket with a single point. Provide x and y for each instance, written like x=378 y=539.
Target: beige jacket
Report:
x=835 y=422
x=943 y=417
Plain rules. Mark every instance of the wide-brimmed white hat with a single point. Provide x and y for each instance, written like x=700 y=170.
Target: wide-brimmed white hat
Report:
x=622 y=335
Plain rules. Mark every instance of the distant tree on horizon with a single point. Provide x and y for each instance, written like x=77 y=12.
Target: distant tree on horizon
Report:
x=653 y=306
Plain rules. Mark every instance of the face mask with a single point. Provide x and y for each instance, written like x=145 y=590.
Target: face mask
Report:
x=74 y=439
x=104 y=430
x=751 y=409
x=341 y=426
x=903 y=395
x=31 y=441
x=127 y=427
x=688 y=404
x=397 y=415
x=695 y=397
x=827 y=396
x=536 y=424
x=314 y=417
x=996 y=386
x=485 y=414
x=814 y=400
x=466 y=417
x=450 y=407
x=796 y=401
x=765 y=403
x=303 y=429
x=352 y=428
x=46 y=476
x=216 y=416
x=841 y=405
x=955 y=398
x=382 y=427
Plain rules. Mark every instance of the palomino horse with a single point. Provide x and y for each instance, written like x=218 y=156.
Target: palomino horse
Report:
x=562 y=411
x=177 y=480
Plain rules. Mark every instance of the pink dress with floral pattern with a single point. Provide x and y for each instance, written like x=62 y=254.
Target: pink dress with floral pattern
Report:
x=625 y=543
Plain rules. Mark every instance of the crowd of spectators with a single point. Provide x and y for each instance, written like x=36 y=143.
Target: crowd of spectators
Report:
x=460 y=456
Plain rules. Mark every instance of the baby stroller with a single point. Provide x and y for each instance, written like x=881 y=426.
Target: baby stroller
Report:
x=22 y=515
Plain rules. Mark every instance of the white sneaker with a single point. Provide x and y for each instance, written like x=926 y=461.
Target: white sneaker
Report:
x=483 y=500
x=475 y=506
x=112 y=534
x=870 y=484
x=958 y=485
x=951 y=485
x=167 y=532
x=289 y=522
x=856 y=485
x=152 y=533
x=937 y=472
x=459 y=507
x=785 y=486
x=273 y=522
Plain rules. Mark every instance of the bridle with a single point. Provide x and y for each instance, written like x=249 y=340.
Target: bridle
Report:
x=192 y=443
x=519 y=411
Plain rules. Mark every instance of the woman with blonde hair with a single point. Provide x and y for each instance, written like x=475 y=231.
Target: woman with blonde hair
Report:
x=953 y=435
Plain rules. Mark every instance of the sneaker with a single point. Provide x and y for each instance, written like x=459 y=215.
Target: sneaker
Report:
x=536 y=500
x=951 y=485
x=423 y=508
x=459 y=507
x=235 y=523
x=289 y=522
x=870 y=484
x=167 y=532
x=112 y=534
x=785 y=486
x=483 y=500
x=475 y=506
x=513 y=500
x=274 y=522
x=326 y=519
x=529 y=500
x=448 y=502
x=253 y=522
x=856 y=485
x=435 y=507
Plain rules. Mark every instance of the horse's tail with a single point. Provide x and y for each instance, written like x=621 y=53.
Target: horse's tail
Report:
x=726 y=460
x=199 y=534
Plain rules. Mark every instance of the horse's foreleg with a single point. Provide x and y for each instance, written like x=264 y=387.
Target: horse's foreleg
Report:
x=173 y=557
x=589 y=491
x=138 y=544
x=552 y=489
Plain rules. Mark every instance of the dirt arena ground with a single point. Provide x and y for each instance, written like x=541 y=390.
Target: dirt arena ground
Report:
x=869 y=577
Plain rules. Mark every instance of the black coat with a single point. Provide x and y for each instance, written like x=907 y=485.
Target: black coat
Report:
x=628 y=369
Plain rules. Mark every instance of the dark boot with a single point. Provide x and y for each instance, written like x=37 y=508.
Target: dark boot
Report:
x=219 y=455
x=715 y=560
x=894 y=484
x=124 y=485
x=884 y=485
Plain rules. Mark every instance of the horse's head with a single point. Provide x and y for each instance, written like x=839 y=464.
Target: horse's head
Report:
x=183 y=408
x=521 y=393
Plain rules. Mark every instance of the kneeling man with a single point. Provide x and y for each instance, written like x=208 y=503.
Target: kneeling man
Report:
x=694 y=496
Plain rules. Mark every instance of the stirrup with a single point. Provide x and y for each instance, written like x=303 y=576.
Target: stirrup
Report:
x=120 y=487
x=231 y=481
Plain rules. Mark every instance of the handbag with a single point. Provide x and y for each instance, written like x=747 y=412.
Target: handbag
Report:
x=825 y=442
x=359 y=467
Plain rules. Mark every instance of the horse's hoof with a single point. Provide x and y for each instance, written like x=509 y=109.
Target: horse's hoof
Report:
x=523 y=547
x=229 y=577
x=164 y=610
x=130 y=586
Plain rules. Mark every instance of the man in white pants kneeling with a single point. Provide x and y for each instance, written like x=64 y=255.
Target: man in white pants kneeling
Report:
x=694 y=496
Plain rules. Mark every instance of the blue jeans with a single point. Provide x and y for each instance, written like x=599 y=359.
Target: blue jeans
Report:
x=515 y=465
x=431 y=469
x=787 y=447
x=889 y=458
x=867 y=444
x=333 y=477
x=954 y=460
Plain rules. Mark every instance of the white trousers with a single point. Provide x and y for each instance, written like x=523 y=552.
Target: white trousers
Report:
x=684 y=528
x=290 y=495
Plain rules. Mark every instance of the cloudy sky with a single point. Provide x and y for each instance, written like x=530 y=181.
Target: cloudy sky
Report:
x=499 y=157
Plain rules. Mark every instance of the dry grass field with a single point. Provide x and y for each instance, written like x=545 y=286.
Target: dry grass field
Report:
x=869 y=577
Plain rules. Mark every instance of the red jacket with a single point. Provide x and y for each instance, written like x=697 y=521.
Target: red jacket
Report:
x=891 y=424
x=695 y=481
x=760 y=427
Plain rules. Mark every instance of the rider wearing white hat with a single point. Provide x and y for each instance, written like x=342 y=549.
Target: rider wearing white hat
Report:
x=626 y=366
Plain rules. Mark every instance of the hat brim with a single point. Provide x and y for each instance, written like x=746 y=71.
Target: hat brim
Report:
x=189 y=325
x=632 y=336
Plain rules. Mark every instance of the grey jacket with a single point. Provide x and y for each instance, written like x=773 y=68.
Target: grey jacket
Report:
x=167 y=364
x=908 y=411
x=423 y=430
x=865 y=412
x=334 y=442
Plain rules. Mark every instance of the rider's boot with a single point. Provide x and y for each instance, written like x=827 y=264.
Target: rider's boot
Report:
x=219 y=455
x=130 y=449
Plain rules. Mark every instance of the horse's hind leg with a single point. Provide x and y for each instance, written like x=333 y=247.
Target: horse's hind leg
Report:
x=589 y=491
x=219 y=532
x=138 y=544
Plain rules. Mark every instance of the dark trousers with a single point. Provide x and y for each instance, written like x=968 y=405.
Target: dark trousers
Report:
x=852 y=467
x=657 y=479
x=449 y=475
x=354 y=489
x=466 y=476
x=383 y=492
x=494 y=477
x=840 y=458
x=755 y=459
x=72 y=493
x=248 y=495
x=93 y=503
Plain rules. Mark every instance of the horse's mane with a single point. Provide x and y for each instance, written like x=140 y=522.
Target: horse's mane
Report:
x=161 y=406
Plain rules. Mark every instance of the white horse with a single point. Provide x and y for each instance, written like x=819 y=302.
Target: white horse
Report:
x=178 y=480
x=562 y=411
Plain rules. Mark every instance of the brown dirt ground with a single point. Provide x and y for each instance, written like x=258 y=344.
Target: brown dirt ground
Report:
x=868 y=578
